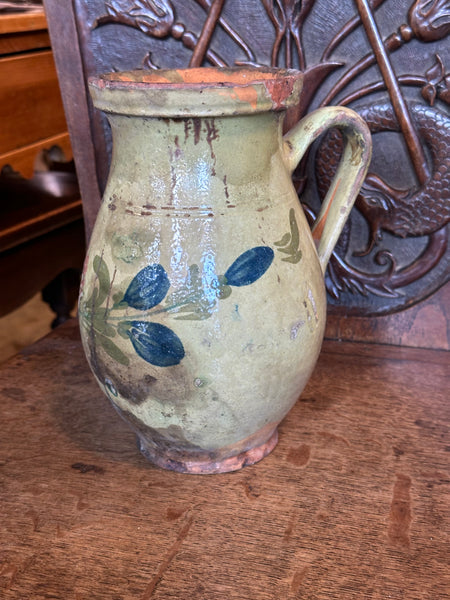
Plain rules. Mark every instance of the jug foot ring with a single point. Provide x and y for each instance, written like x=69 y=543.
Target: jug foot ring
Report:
x=204 y=467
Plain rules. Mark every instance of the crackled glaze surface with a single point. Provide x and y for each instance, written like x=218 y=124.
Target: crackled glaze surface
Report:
x=202 y=307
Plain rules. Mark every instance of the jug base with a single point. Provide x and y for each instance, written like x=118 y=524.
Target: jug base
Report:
x=205 y=467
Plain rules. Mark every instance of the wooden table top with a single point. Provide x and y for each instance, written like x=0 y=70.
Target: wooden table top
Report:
x=353 y=503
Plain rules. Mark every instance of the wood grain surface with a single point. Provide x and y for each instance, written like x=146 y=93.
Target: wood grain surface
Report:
x=19 y=22
x=353 y=503
x=29 y=87
x=424 y=325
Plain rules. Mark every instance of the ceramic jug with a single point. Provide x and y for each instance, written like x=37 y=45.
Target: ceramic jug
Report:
x=202 y=306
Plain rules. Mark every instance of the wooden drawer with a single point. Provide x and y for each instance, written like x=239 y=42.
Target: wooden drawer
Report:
x=30 y=99
x=20 y=32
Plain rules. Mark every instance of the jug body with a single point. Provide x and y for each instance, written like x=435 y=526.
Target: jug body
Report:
x=202 y=307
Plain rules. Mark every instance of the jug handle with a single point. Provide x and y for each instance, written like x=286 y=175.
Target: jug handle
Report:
x=349 y=176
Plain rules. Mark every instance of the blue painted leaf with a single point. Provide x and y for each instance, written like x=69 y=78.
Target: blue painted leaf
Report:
x=156 y=343
x=249 y=266
x=148 y=288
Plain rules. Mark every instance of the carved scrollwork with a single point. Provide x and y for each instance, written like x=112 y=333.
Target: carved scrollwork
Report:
x=288 y=17
x=152 y=17
x=430 y=19
x=156 y=18
x=422 y=210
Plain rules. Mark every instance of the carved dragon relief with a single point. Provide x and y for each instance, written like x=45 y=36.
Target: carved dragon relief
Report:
x=362 y=274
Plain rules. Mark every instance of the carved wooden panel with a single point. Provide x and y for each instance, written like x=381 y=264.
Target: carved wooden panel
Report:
x=387 y=59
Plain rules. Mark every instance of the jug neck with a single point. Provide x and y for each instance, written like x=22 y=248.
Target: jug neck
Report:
x=170 y=160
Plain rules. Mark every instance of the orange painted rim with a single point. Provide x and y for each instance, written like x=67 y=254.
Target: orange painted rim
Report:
x=197 y=92
x=201 y=77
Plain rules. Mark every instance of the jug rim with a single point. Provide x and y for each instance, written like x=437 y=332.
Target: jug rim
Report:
x=199 y=91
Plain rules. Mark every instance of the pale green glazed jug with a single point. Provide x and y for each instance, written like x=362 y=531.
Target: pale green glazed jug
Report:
x=202 y=306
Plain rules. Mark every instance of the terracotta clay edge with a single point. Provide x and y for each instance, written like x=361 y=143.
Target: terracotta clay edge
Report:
x=233 y=463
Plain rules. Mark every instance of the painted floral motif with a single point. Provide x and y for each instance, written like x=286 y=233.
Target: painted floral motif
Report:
x=155 y=343
x=148 y=293
x=290 y=242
